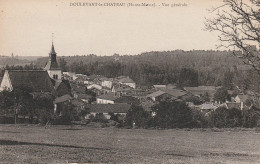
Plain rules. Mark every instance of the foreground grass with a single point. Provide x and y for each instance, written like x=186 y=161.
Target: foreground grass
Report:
x=71 y=144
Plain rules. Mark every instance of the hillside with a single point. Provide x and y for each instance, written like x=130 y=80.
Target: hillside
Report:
x=5 y=60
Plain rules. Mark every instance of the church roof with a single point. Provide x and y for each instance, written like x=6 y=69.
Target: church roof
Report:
x=51 y=66
x=34 y=80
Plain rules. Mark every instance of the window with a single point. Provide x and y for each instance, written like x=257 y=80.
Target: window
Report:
x=55 y=76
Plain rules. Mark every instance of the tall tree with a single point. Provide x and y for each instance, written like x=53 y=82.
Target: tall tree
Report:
x=238 y=22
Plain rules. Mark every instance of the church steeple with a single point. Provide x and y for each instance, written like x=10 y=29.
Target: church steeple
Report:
x=52 y=66
x=52 y=49
x=52 y=63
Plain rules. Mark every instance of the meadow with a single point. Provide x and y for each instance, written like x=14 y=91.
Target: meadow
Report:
x=81 y=144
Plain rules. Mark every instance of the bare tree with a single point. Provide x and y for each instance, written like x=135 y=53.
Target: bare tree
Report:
x=238 y=22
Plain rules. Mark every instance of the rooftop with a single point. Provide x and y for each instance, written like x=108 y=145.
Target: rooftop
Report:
x=231 y=105
x=34 y=80
x=176 y=92
x=109 y=96
x=156 y=94
x=108 y=108
x=126 y=80
x=62 y=99
x=243 y=98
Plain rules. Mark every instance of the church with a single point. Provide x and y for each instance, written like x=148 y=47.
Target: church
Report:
x=40 y=81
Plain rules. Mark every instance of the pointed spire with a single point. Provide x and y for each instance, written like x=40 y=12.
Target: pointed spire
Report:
x=52 y=47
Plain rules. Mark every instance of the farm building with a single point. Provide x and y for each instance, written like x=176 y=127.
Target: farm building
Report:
x=108 y=109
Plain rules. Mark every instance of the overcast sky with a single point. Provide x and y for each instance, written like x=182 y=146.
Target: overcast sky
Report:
x=26 y=27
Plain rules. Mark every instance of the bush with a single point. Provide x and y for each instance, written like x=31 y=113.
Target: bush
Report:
x=250 y=118
x=99 y=117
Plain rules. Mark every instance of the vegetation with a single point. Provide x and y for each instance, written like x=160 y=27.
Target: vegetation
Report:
x=221 y=95
x=175 y=114
x=146 y=69
x=172 y=114
x=238 y=25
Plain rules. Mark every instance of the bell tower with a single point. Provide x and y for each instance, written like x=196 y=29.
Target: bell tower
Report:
x=52 y=66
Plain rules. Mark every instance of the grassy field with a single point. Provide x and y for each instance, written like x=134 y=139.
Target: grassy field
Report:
x=76 y=144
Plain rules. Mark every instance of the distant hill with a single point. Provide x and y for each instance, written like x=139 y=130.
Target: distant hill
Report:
x=29 y=58
x=5 y=60
x=197 y=59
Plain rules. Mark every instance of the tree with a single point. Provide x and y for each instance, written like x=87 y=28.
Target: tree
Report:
x=227 y=81
x=137 y=116
x=44 y=107
x=188 y=78
x=205 y=97
x=250 y=118
x=172 y=114
x=238 y=23
x=194 y=99
x=221 y=95
x=63 y=64
x=218 y=118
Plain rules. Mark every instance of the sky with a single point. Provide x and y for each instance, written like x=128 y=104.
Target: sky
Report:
x=26 y=27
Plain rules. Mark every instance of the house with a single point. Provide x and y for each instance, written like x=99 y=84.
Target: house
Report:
x=107 y=109
x=127 y=81
x=241 y=98
x=80 y=78
x=68 y=75
x=231 y=105
x=62 y=99
x=32 y=80
x=62 y=87
x=159 y=87
x=96 y=86
x=127 y=100
x=121 y=89
x=107 y=98
x=244 y=100
x=59 y=100
x=177 y=93
x=202 y=90
x=208 y=106
x=107 y=82
x=83 y=97
x=77 y=88
x=158 y=95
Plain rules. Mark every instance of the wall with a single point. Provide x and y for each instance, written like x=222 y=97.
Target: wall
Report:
x=132 y=85
x=6 y=83
x=106 y=84
x=102 y=101
x=55 y=72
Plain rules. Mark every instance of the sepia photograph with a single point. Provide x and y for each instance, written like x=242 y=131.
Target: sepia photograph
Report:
x=130 y=81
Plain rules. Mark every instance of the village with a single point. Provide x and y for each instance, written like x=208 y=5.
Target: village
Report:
x=114 y=96
x=153 y=82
